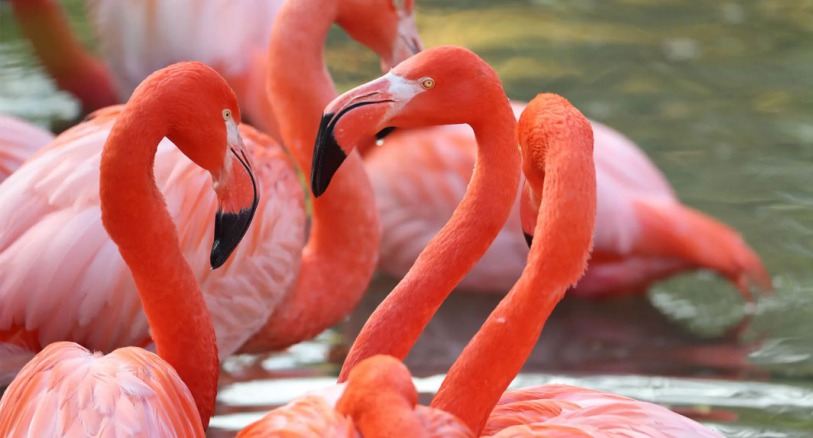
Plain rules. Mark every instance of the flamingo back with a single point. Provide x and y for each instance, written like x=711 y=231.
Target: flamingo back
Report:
x=62 y=278
x=563 y=410
x=139 y=37
x=68 y=391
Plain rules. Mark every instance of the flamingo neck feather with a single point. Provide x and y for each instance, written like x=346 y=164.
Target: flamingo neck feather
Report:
x=558 y=258
x=136 y=217
x=399 y=320
x=342 y=250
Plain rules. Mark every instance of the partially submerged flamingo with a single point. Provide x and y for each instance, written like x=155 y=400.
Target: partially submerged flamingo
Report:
x=450 y=85
x=68 y=391
x=260 y=283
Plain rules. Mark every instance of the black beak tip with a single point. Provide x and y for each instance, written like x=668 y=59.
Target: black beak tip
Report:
x=328 y=156
x=529 y=238
x=229 y=231
x=384 y=132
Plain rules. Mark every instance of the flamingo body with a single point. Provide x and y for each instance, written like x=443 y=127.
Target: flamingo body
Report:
x=70 y=392
x=67 y=392
x=570 y=411
x=137 y=38
x=18 y=141
x=63 y=279
x=636 y=207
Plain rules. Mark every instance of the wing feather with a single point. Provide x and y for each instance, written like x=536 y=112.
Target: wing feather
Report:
x=18 y=141
x=62 y=278
x=67 y=390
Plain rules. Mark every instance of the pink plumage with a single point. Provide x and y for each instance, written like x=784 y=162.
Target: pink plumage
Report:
x=18 y=141
x=139 y=37
x=69 y=391
x=62 y=278
x=643 y=232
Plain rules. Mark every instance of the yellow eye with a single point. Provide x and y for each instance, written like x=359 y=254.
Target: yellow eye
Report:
x=427 y=83
x=227 y=114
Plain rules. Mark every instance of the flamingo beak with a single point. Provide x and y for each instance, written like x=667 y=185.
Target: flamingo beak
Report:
x=528 y=212
x=370 y=105
x=407 y=42
x=237 y=196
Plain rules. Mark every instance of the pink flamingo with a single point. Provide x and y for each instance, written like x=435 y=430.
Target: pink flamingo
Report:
x=267 y=289
x=18 y=141
x=68 y=391
x=451 y=85
x=643 y=232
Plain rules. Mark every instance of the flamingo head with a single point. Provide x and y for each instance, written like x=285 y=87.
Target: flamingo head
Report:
x=385 y=26
x=547 y=123
x=212 y=141
x=440 y=86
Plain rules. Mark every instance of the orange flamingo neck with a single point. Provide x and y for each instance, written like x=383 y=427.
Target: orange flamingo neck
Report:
x=342 y=251
x=399 y=320
x=558 y=258
x=44 y=23
x=135 y=215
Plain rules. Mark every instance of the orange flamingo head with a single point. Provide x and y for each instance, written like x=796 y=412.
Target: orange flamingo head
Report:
x=385 y=26
x=210 y=139
x=441 y=86
x=549 y=118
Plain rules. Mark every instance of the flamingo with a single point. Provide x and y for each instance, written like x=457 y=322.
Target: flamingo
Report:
x=643 y=232
x=267 y=290
x=18 y=141
x=67 y=390
x=451 y=85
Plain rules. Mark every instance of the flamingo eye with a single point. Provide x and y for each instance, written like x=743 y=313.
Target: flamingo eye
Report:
x=427 y=83
x=227 y=114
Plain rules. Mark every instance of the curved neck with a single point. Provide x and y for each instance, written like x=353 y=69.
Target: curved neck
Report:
x=342 y=250
x=558 y=258
x=381 y=398
x=44 y=23
x=399 y=320
x=135 y=215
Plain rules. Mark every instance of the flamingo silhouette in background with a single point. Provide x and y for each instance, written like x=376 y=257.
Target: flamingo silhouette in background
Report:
x=643 y=232
x=71 y=66
x=451 y=85
x=68 y=391
x=18 y=141
x=259 y=284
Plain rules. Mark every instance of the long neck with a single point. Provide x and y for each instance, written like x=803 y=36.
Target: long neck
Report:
x=399 y=320
x=342 y=251
x=135 y=215
x=562 y=240
x=65 y=59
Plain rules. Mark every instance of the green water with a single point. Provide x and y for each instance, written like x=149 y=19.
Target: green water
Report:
x=719 y=95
